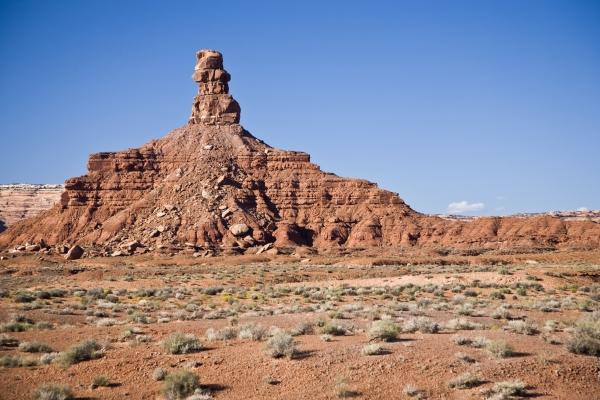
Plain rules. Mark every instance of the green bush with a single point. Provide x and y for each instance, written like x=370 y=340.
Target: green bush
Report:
x=181 y=343
x=506 y=390
x=281 y=344
x=333 y=329
x=586 y=337
x=180 y=384
x=383 y=330
x=34 y=347
x=53 y=392
x=500 y=349
x=87 y=350
x=465 y=381
x=100 y=381
x=11 y=361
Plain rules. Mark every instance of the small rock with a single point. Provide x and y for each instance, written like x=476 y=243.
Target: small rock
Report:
x=74 y=253
x=264 y=248
x=250 y=240
x=206 y=194
x=161 y=214
x=131 y=246
x=239 y=229
x=272 y=252
x=208 y=147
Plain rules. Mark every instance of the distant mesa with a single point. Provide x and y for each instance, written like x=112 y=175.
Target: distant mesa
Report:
x=20 y=201
x=210 y=187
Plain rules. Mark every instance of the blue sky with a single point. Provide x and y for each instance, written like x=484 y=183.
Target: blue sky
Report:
x=491 y=105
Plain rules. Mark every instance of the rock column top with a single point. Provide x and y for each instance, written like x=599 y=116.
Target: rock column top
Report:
x=213 y=105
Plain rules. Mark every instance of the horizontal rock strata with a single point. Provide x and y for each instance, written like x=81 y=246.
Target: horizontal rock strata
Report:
x=211 y=186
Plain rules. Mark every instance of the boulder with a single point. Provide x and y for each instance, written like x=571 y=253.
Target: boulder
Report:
x=74 y=253
x=239 y=229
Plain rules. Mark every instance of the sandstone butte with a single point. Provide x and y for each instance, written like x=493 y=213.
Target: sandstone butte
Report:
x=212 y=185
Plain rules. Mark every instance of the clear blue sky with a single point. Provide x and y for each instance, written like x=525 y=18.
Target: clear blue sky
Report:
x=492 y=102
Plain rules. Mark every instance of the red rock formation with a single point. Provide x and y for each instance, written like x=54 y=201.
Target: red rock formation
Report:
x=197 y=182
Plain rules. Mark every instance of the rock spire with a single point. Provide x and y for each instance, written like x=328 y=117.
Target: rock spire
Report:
x=213 y=105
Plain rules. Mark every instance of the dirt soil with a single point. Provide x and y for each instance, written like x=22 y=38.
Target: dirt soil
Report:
x=130 y=305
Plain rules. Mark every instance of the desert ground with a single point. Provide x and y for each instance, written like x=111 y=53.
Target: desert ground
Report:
x=303 y=326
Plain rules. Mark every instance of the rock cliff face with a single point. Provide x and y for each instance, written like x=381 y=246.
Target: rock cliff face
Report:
x=20 y=201
x=212 y=185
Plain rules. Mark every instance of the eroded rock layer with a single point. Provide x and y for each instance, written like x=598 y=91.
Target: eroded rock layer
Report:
x=20 y=201
x=211 y=184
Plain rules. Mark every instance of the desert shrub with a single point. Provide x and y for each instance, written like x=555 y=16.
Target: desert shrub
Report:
x=180 y=384
x=48 y=358
x=383 y=330
x=477 y=342
x=421 y=324
x=43 y=325
x=500 y=349
x=462 y=324
x=159 y=374
x=303 y=328
x=15 y=326
x=106 y=322
x=586 y=336
x=34 y=347
x=523 y=327
x=326 y=337
x=139 y=317
x=465 y=381
x=464 y=357
x=8 y=341
x=343 y=390
x=10 y=361
x=501 y=313
x=100 y=381
x=87 y=350
x=465 y=309
x=53 y=392
x=24 y=297
x=413 y=391
x=17 y=361
x=497 y=295
x=281 y=344
x=252 y=331
x=226 y=333
x=212 y=290
x=506 y=390
x=333 y=329
x=181 y=343
x=200 y=396
x=373 y=349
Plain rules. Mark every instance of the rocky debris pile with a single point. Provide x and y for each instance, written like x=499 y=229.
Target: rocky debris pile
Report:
x=19 y=201
x=210 y=187
x=70 y=252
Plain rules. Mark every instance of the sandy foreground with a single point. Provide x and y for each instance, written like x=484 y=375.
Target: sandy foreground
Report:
x=451 y=316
